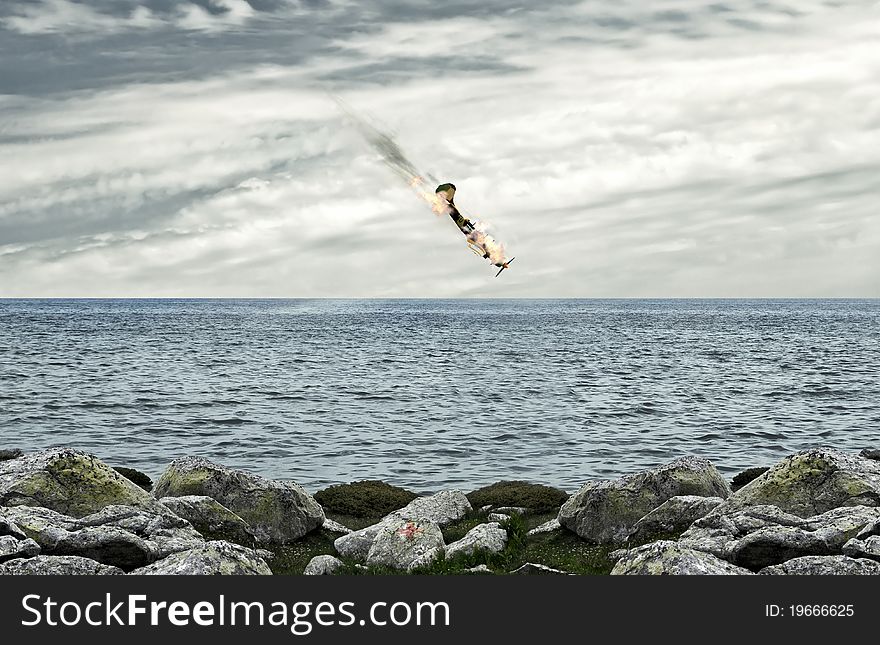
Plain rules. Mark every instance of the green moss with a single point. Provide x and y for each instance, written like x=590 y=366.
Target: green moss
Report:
x=77 y=484
x=369 y=498
x=179 y=484
x=135 y=476
x=535 y=497
x=746 y=476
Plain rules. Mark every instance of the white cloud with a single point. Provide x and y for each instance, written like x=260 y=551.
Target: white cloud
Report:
x=739 y=163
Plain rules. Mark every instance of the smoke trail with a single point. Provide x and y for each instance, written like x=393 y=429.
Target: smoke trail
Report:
x=421 y=183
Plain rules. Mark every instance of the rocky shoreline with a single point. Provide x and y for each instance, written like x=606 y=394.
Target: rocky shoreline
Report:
x=64 y=511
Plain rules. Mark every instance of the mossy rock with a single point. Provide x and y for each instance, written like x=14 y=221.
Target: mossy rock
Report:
x=537 y=498
x=68 y=481
x=276 y=511
x=813 y=481
x=746 y=476
x=135 y=476
x=369 y=498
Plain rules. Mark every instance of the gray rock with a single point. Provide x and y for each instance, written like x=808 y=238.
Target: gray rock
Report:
x=335 y=527
x=761 y=536
x=837 y=526
x=867 y=548
x=210 y=518
x=322 y=565
x=616 y=554
x=164 y=531
x=11 y=548
x=276 y=511
x=671 y=558
x=54 y=565
x=546 y=527
x=672 y=517
x=871 y=529
x=487 y=537
x=107 y=545
x=512 y=510
x=824 y=565
x=812 y=482
x=498 y=517
x=480 y=568
x=870 y=453
x=405 y=544
x=715 y=532
x=606 y=511
x=773 y=545
x=8 y=527
x=116 y=535
x=485 y=508
x=441 y=508
x=68 y=481
x=10 y=453
x=356 y=545
x=532 y=569
x=217 y=557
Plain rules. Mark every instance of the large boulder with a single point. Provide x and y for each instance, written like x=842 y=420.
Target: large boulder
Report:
x=760 y=536
x=671 y=558
x=812 y=482
x=671 y=518
x=837 y=526
x=441 y=508
x=217 y=557
x=406 y=544
x=715 y=532
x=55 y=565
x=606 y=511
x=68 y=481
x=774 y=544
x=210 y=518
x=277 y=511
x=119 y=536
x=824 y=565
x=490 y=538
x=322 y=565
x=356 y=545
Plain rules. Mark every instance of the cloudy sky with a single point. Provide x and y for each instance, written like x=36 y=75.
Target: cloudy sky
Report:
x=618 y=148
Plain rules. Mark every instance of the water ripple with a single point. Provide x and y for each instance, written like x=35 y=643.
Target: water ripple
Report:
x=434 y=393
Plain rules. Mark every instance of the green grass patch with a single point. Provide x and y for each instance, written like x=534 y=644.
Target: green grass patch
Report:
x=564 y=550
x=457 y=530
x=559 y=549
x=535 y=497
x=291 y=559
x=369 y=498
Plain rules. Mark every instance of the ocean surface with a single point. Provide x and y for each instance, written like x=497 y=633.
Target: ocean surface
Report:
x=430 y=394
